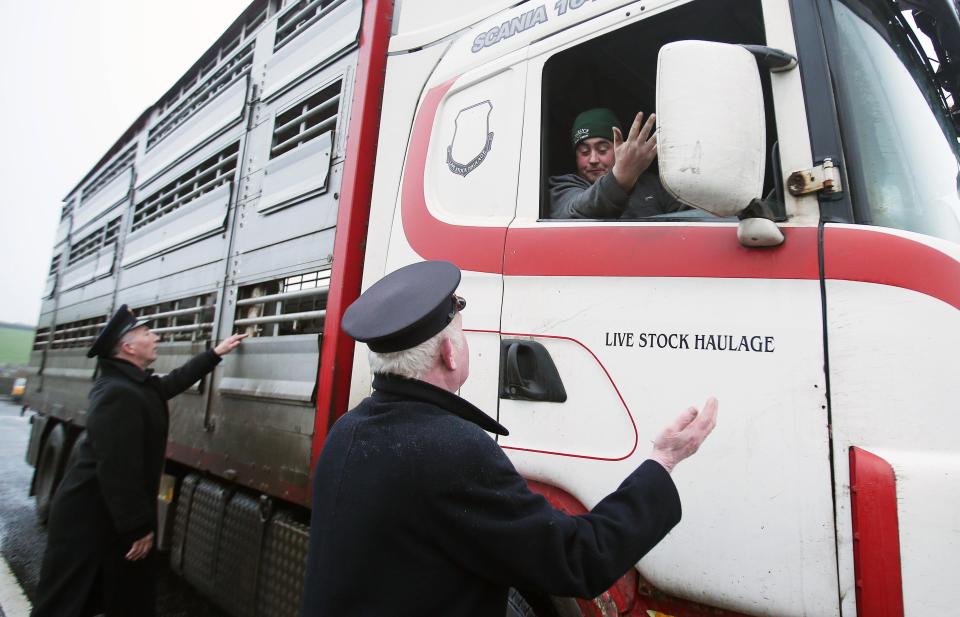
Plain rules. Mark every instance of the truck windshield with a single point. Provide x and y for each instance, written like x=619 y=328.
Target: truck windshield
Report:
x=893 y=124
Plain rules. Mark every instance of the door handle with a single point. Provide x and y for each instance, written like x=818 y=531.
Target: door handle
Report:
x=527 y=373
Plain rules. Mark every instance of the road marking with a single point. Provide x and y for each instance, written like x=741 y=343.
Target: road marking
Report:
x=13 y=602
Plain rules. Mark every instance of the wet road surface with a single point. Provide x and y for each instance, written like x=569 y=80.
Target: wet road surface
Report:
x=23 y=540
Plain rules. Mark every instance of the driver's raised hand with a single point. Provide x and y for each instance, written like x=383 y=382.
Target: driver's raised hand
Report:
x=635 y=154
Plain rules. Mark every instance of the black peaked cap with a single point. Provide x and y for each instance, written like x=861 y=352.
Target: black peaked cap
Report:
x=404 y=308
x=122 y=321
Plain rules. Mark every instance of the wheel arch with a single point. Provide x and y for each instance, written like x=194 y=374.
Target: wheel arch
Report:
x=621 y=597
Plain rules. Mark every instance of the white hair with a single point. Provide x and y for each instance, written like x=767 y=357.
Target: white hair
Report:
x=414 y=362
x=118 y=346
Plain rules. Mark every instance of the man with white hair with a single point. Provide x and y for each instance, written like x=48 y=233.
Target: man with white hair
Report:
x=417 y=511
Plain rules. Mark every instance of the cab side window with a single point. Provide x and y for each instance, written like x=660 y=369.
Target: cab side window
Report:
x=614 y=76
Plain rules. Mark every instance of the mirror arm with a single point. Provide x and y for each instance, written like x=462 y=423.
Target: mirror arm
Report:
x=758 y=209
x=771 y=58
x=757 y=228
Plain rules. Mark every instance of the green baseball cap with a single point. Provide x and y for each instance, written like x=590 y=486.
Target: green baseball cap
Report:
x=596 y=122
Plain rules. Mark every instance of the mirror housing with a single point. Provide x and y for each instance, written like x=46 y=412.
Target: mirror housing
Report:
x=711 y=131
x=759 y=233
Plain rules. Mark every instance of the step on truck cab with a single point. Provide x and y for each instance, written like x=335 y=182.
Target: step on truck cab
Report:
x=813 y=284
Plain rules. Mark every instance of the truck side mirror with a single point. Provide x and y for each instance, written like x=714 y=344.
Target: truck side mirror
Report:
x=711 y=132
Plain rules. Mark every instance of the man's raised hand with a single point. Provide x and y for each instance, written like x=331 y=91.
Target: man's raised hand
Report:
x=634 y=155
x=229 y=344
x=684 y=435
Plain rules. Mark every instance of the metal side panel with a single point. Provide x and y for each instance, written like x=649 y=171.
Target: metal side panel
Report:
x=188 y=438
x=181 y=520
x=173 y=275
x=224 y=110
x=63 y=231
x=47 y=308
x=235 y=580
x=284 y=563
x=201 y=218
x=92 y=299
x=261 y=138
x=271 y=227
x=104 y=199
x=297 y=173
x=148 y=186
x=272 y=461
x=38 y=425
x=85 y=301
x=313 y=47
x=90 y=269
x=66 y=382
x=303 y=254
x=36 y=358
x=200 y=262
x=202 y=535
x=34 y=394
x=263 y=416
x=274 y=367
x=48 y=288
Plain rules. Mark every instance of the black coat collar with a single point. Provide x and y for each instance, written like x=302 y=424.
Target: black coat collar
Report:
x=448 y=401
x=116 y=366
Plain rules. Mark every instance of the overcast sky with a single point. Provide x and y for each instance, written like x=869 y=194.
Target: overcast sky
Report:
x=74 y=75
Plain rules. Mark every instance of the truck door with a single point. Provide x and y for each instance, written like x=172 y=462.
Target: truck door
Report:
x=893 y=319
x=643 y=318
x=458 y=191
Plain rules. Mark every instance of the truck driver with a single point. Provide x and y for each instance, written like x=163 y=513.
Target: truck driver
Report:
x=631 y=191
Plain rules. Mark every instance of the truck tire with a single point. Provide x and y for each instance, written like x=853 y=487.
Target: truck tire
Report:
x=49 y=471
x=539 y=606
x=517 y=606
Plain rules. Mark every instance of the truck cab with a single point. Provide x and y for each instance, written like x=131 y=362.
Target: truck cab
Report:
x=802 y=334
x=810 y=280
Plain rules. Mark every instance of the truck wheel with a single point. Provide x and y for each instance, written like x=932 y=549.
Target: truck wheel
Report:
x=49 y=470
x=517 y=606
x=520 y=605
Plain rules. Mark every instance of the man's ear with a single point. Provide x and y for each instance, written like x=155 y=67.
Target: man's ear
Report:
x=447 y=356
x=119 y=346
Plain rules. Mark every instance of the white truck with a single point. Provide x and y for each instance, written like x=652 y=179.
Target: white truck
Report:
x=814 y=289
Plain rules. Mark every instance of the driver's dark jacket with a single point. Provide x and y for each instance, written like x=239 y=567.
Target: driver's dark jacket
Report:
x=572 y=197
x=417 y=511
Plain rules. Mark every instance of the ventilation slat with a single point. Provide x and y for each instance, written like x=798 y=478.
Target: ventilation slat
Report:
x=306 y=120
x=215 y=171
x=228 y=72
x=287 y=306
x=299 y=17
x=67 y=209
x=302 y=138
x=93 y=242
x=310 y=113
x=119 y=164
x=72 y=334
x=183 y=319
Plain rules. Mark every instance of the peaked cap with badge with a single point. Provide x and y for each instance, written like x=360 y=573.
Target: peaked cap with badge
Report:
x=410 y=481
x=405 y=308
x=122 y=321
x=107 y=499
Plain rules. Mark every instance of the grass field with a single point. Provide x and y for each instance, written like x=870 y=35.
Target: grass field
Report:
x=15 y=345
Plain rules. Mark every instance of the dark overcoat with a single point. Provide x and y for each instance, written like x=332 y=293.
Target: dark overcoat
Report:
x=417 y=511
x=108 y=496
